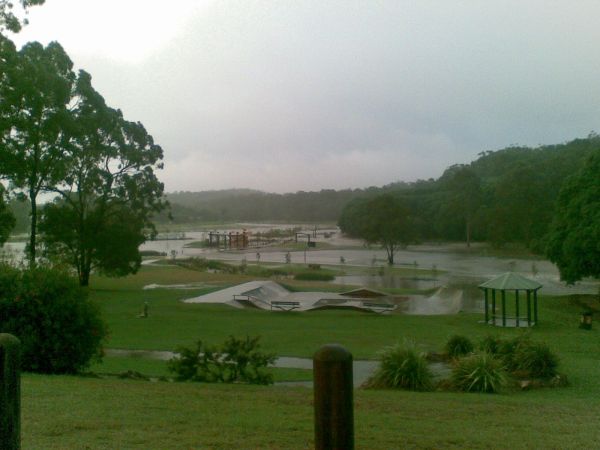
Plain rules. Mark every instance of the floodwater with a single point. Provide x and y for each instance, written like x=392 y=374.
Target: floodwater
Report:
x=456 y=265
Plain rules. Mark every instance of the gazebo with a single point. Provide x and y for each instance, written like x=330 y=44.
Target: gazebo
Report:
x=511 y=282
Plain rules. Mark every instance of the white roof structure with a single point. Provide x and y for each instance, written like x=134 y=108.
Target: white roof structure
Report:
x=272 y=296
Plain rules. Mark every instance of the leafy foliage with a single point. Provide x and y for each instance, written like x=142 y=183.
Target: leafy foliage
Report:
x=383 y=220
x=462 y=192
x=402 y=366
x=490 y=344
x=458 y=345
x=7 y=219
x=60 y=330
x=35 y=91
x=532 y=360
x=109 y=190
x=574 y=239
x=479 y=372
x=237 y=361
x=8 y=19
x=514 y=193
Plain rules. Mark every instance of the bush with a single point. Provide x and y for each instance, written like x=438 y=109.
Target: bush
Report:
x=490 y=344
x=402 y=366
x=152 y=253
x=59 y=329
x=238 y=361
x=479 y=372
x=458 y=346
x=534 y=360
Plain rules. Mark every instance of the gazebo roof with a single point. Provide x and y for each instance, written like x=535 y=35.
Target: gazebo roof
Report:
x=511 y=281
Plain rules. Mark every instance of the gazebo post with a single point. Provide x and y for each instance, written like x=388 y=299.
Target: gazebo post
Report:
x=503 y=293
x=485 y=296
x=535 y=307
x=494 y=306
x=528 y=308
x=517 y=306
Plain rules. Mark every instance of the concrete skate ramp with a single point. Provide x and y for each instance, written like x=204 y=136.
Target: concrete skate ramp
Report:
x=262 y=294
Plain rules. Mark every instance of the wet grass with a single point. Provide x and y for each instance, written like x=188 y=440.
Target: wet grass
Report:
x=75 y=412
x=172 y=323
x=72 y=412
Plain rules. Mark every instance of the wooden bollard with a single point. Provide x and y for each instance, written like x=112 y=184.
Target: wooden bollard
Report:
x=10 y=392
x=333 y=390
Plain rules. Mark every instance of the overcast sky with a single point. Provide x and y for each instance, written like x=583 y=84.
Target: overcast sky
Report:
x=307 y=95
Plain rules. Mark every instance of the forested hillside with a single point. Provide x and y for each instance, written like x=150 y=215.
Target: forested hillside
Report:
x=504 y=196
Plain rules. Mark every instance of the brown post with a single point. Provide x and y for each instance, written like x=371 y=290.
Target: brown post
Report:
x=333 y=391
x=10 y=392
x=517 y=306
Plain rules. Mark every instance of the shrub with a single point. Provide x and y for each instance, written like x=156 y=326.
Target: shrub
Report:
x=402 y=366
x=534 y=360
x=59 y=329
x=458 y=346
x=479 y=372
x=152 y=253
x=238 y=361
x=507 y=348
x=490 y=344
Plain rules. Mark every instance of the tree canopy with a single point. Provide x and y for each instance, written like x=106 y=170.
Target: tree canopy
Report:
x=574 y=238
x=11 y=21
x=58 y=136
x=109 y=190
x=383 y=220
x=7 y=219
x=35 y=91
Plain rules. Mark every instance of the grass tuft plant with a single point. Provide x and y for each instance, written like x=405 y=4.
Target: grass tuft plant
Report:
x=458 y=346
x=479 y=372
x=402 y=366
x=490 y=344
x=535 y=360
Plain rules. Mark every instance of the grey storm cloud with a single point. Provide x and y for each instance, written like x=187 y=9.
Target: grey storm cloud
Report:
x=287 y=95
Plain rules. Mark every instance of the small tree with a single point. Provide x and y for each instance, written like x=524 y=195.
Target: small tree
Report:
x=383 y=220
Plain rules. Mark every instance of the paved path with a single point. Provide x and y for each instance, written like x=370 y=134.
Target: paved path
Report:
x=362 y=370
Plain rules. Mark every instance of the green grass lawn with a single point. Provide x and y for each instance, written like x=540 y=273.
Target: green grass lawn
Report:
x=71 y=412
x=62 y=412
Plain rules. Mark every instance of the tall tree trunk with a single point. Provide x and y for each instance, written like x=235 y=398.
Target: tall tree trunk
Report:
x=84 y=277
x=468 y=232
x=390 y=254
x=33 y=232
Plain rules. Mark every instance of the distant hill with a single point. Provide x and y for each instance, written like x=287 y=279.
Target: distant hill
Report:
x=519 y=186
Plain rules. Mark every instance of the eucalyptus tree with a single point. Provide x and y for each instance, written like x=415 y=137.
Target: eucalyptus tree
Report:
x=109 y=190
x=573 y=242
x=384 y=220
x=461 y=199
x=36 y=83
x=7 y=219
x=11 y=21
